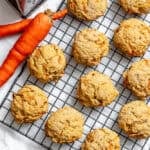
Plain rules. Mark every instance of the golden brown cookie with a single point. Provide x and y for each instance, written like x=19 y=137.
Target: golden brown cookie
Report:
x=96 y=89
x=134 y=119
x=29 y=104
x=65 y=125
x=87 y=9
x=90 y=46
x=101 y=139
x=47 y=63
x=135 y=6
x=137 y=78
x=132 y=37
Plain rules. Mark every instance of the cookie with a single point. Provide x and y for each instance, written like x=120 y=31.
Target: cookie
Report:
x=90 y=46
x=135 y=6
x=65 y=125
x=29 y=104
x=96 y=89
x=87 y=10
x=137 y=78
x=101 y=139
x=47 y=63
x=132 y=37
x=134 y=119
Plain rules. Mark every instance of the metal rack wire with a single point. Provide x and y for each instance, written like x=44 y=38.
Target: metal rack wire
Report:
x=63 y=92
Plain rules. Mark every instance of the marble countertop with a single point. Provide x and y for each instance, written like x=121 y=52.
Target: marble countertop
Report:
x=9 y=139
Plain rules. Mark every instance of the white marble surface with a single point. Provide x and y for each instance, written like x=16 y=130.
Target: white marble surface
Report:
x=9 y=139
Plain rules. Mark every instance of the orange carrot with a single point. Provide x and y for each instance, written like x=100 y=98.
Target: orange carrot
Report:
x=11 y=29
x=20 y=26
x=33 y=34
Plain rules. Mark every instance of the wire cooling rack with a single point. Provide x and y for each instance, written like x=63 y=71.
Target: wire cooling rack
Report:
x=63 y=92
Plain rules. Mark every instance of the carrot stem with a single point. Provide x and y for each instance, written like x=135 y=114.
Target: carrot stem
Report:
x=59 y=14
